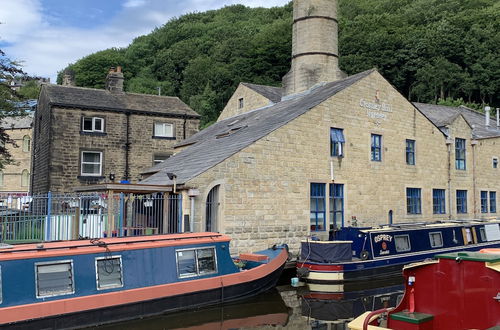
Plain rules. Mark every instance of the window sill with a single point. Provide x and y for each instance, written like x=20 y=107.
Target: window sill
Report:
x=164 y=137
x=93 y=133
x=90 y=178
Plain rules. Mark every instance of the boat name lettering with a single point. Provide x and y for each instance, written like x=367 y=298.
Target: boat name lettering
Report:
x=382 y=237
x=382 y=252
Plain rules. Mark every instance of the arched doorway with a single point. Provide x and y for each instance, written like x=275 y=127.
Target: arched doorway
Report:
x=212 y=209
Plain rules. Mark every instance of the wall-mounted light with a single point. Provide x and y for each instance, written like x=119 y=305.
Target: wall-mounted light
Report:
x=172 y=176
x=112 y=177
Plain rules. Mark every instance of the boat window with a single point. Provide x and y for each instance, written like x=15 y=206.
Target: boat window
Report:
x=195 y=262
x=436 y=239
x=482 y=234
x=54 y=279
x=402 y=243
x=109 y=272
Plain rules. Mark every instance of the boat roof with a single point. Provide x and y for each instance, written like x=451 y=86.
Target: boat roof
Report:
x=428 y=225
x=111 y=244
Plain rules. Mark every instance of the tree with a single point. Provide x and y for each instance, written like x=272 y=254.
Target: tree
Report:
x=8 y=71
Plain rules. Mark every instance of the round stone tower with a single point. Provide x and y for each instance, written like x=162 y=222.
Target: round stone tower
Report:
x=314 y=45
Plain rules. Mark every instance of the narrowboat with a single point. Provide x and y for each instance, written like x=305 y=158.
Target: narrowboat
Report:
x=459 y=290
x=371 y=254
x=71 y=284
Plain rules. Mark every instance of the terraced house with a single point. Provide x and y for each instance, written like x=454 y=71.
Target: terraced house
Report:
x=88 y=136
x=328 y=150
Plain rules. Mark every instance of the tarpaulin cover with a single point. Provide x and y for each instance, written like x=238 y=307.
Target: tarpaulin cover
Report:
x=325 y=251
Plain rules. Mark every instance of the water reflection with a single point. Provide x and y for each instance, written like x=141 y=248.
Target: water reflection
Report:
x=286 y=307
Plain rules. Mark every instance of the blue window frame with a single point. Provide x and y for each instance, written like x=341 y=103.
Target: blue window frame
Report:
x=337 y=141
x=493 y=202
x=410 y=152
x=495 y=162
x=336 y=205
x=461 y=201
x=413 y=201
x=438 y=201
x=376 y=148
x=318 y=204
x=484 y=202
x=460 y=154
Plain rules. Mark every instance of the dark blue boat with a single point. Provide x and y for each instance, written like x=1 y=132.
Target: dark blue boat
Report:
x=81 y=283
x=378 y=252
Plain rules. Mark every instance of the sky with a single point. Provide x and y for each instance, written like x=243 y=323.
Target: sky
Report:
x=47 y=35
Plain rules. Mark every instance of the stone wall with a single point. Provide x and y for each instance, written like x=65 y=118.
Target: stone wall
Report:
x=12 y=181
x=40 y=161
x=251 y=100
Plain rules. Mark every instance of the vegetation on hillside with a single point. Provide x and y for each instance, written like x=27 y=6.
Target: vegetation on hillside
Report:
x=428 y=49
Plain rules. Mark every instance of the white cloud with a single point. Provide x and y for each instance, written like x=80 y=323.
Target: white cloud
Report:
x=46 y=49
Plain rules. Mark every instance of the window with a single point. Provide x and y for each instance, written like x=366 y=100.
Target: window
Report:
x=157 y=159
x=410 y=152
x=337 y=142
x=240 y=103
x=461 y=201
x=25 y=178
x=54 y=279
x=164 y=130
x=376 y=148
x=91 y=163
x=318 y=213
x=402 y=243
x=436 y=239
x=438 y=201
x=484 y=202
x=493 y=202
x=495 y=162
x=196 y=262
x=93 y=124
x=482 y=234
x=336 y=205
x=460 y=154
x=26 y=143
x=413 y=201
x=109 y=272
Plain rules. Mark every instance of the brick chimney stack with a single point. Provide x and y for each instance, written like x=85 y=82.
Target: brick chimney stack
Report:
x=114 y=80
x=314 y=45
x=68 y=78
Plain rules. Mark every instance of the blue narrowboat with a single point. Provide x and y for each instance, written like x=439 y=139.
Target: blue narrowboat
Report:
x=89 y=282
x=376 y=253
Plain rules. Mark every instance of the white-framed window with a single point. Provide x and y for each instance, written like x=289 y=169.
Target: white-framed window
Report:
x=436 y=239
x=109 y=272
x=158 y=159
x=402 y=243
x=91 y=163
x=25 y=178
x=26 y=143
x=163 y=130
x=93 y=124
x=196 y=262
x=54 y=278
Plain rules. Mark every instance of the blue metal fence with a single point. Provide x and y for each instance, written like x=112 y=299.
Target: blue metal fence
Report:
x=50 y=217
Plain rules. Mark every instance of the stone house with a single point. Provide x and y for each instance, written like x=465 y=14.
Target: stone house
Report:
x=15 y=178
x=90 y=136
x=330 y=152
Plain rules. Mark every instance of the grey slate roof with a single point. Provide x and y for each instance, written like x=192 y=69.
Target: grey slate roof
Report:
x=225 y=138
x=13 y=122
x=442 y=115
x=100 y=99
x=272 y=93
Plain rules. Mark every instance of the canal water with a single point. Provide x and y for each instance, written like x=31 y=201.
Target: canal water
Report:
x=286 y=307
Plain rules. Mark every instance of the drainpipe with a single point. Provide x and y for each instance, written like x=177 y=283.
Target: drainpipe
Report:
x=184 y=127
x=127 y=148
x=449 y=142
x=474 y=188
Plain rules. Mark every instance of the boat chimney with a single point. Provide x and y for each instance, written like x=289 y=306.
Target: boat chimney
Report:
x=487 y=115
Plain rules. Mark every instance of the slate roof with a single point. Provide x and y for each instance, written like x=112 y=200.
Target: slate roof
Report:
x=272 y=93
x=225 y=138
x=100 y=99
x=442 y=115
x=18 y=122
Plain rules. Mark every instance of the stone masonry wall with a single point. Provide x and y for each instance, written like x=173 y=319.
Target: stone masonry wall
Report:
x=40 y=161
x=12 y=173
x=251 y=100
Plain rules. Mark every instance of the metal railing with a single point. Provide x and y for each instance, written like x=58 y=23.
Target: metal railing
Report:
x=49 y=217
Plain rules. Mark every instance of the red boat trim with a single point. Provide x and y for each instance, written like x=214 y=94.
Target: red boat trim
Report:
x=72 y=305
x=323 y=268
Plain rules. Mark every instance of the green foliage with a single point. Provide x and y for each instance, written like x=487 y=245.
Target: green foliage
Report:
x=428 y=49
x=29 y=90
x=458 y=102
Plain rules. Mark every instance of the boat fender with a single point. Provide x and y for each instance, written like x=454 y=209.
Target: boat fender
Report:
x=364 y=255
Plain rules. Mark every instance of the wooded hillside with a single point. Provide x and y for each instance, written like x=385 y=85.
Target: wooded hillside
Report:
x=428 y=49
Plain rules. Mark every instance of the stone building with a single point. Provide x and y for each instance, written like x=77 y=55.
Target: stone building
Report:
x=15 y=178
x=88 y=136
x=331 y=152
